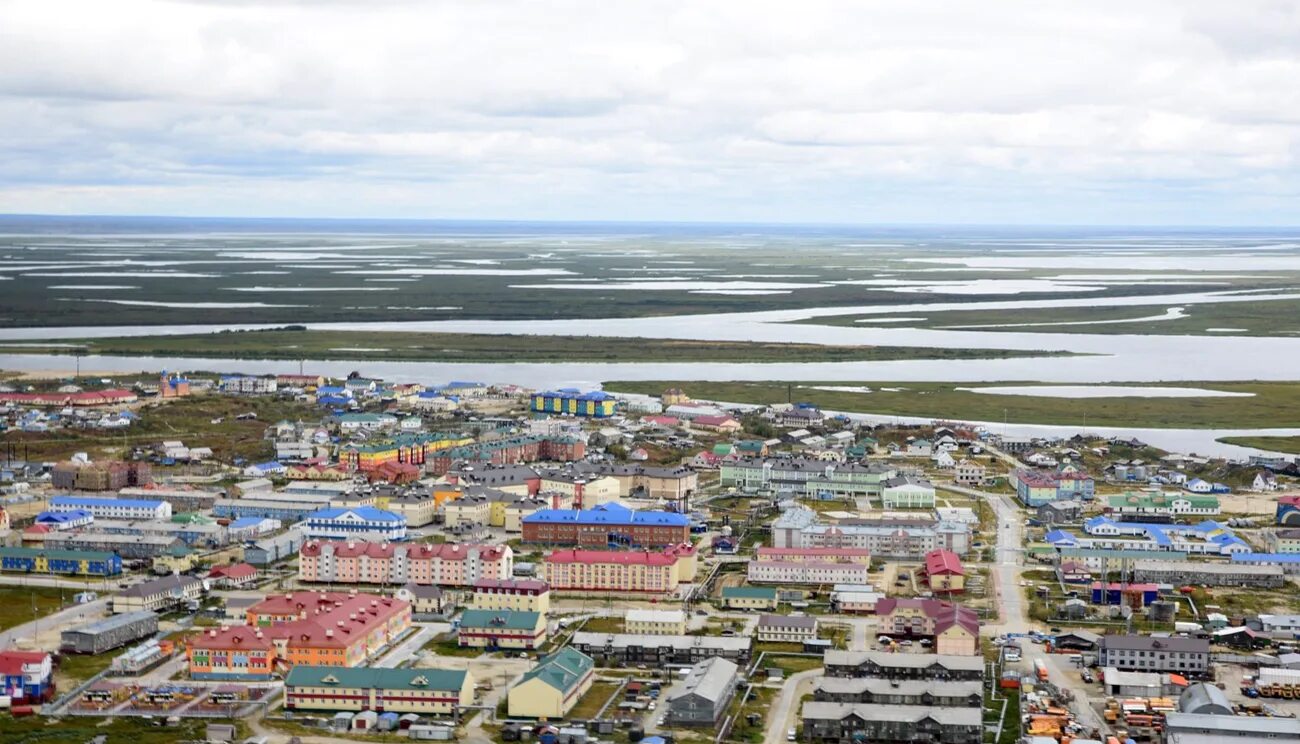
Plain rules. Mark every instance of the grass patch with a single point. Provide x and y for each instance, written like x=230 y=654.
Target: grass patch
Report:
x=603 y=625
x=445 y=645
x=77 y=668
x=792 y=664
x=42 y=730
x=593 y=701
x=1271 y=403
x=488 y=348
x=23 y=604
x=1289 y=445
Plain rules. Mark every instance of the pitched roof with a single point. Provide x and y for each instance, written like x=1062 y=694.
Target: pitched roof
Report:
x=501 y=619
x=562 y=670
x=938 y=562
x=749 y=592
x=375 y=678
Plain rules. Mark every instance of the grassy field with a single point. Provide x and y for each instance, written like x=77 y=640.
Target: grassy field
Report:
x=1263 y=318
x=590 y=704
x=484 y=348
x=188 y=419
x=1273 y=404
x=41 y=730
x=77 y=668
x=1290 y=445
x=17 y=602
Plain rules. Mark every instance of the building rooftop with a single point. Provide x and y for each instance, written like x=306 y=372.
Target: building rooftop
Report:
x=375 y=678
x=562 y=670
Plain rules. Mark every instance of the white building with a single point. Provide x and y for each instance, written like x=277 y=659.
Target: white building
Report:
x=126 y=509
x=907 y=493
x=248 y=385
x=359 y=523
x=809 y=572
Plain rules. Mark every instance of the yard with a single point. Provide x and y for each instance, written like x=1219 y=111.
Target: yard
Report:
x=41 y=730
x=23 y=604
x=595 y=699
x=603 y=625
x=791 y=664
x=758 y=703
x=445 y=645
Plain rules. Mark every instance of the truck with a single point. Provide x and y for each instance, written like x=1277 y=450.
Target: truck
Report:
x=1040 y=669
x=1185 y=627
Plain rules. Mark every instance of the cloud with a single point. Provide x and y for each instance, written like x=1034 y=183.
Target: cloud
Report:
x=1163 y=111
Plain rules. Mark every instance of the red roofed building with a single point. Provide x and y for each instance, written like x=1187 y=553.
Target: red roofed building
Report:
x=232 y=652
x=944 y=572
x=955 y=629
x=362 y=562
x=851 y=555
x=620 y=572
x=233 y=575
x=88 y=398
x=26 y=676
x=397 y=473
x=724 y=424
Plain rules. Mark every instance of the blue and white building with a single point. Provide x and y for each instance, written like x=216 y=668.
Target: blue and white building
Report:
x=102 y=508
x=358 y=523
x=27 y=675
x=250 y=528
x=68 y=520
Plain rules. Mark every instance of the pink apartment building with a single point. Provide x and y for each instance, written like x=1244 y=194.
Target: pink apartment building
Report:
x=818 y=555
x=809 y=572
x=361 y=562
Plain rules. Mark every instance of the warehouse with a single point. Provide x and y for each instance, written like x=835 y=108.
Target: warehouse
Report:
x=108 y=634
x=127 y=546
x=271 y=549
x=1209 y=574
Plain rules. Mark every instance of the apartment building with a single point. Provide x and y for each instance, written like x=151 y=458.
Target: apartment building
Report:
x=416 y=690
x=657 y=650
x=805 y=477
x=655 y=622
x=881 y=691
x=894 y=666
x=904 y=539
x=846 y=722
x=441 y=564
x=1154 y=654
x=614 y=571
x=808 y=572
x=111 y=508
x=606 y=525
x=507 y=629
x=523 y=595
x=786 y=628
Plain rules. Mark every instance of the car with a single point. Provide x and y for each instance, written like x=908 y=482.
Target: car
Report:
x=652 y=705
x=791 y=735
x=906 y=643
x=1056 y=630
x=927 y=642
x=641 y=667
x=884 y=640
x=1086 y=676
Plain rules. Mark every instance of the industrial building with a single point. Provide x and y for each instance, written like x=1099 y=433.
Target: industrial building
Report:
x=704 y=695
x=110 y=633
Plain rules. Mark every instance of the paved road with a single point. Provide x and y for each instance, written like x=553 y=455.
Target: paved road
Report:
x=408 y=648
x=68 y=616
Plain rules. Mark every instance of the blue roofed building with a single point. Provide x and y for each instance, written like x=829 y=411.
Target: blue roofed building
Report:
x=355 y=523
x=67 y=520
x=110 y=508
x=573 y=402
x=607 y=525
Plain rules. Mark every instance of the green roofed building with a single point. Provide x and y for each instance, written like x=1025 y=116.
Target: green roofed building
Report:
x=1154 y=503
x=749 y=598
x=425 y=691
x=60 y=561
x=501 y=629
x=550 y=689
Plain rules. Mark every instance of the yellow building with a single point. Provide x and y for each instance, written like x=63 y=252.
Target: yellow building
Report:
x=749 y=598
x=590 y=490
x=421 y=691
x=522 y=595
x=618 y=571
x=674 y=397
x=549 y=690
x=655 y=622
x=506 y=629
x=419 y=509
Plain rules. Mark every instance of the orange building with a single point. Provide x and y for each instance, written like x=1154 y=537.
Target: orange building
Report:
x=233 y=652
x=621 y=572
x=412 y=449
x=172 y=386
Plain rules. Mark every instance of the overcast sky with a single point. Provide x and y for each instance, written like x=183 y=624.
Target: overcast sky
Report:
x=1147 y=112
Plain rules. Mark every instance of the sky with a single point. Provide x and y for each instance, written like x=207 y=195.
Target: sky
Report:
x=1160 y=112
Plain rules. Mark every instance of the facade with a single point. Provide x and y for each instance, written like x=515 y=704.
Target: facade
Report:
x=279 y=547
x=893 y=666
x=880 y=691
x=944 y=573
x=58 y=561
x=619 y=571
x=417 y=509
x=805 y=477
x=655 y=622
x=443 y=564
x=1209 y=574
x=786 y=628
x=1037 y=487
x=808 y=572
x=815 y=555
x=413 y=449
x=969 y=473
x=508 y=629
x=624 y=648
x=126 y=546
x=550 y=689
x=424 y=599
x=703 y=697
x=906 y=539
x=607 y=525
x=1146 y=654
x=1286 y=540
x=955 y=629
x=1139 y=505
x=419 y=691
x=110 y=508
x=26 y=676
x=363 y=523
x=521 y=595
x=907 y=493
x=235 y=652
x=572 y=402
x=848 y=722
x=314 y=628
x=158 y=594
x=749 y=598
x=248 y=385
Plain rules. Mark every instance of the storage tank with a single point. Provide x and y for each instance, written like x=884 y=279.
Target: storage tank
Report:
x=1164 y=612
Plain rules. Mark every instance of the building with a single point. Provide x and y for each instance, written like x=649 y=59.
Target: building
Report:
x=880 y=691
x=110 y=508
x=522 y=595
x=233 y=575
x=127 y=546
x=68 y=520
x=172 y=385
x=550 y=689
x=944 y=573
x=276 y=548
x=1037 y=487
x=26 y=676
x=494 y=629
x=749 y=598
x=904 y=539
x=655 y=622
x=443 y=564
x=181 y=499
x=247 y=385
x=845 y=722
x=105 y=635
x=1149 y=654
x=1209 y=728
x=955 y=629
x=672 y=484
x=572 y=402
x=855 y=599
x=894 y=666
x=702 y=698
x=969 y=473
x=607 y=525
x=815 y=555
x=621 y=572
x=416 y=690
x=805 y=477
x=417 y=509
x=1060 y=512
x=1209 y=574
x=411 y=448
x=786 y=628
x=59 y=561
x=361 y=523
x=1286 y=540
x=100 y=476
x=1161 y=506
x=658 y=650
x=158 y=595
x=424 y=599
x=808 y=572
x=232 y=652
x=902 y=492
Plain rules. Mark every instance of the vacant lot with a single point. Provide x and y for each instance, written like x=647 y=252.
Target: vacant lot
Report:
x=1272 y=403
x=22 y=604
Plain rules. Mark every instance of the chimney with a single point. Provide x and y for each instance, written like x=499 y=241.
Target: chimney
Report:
x=329 y=632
